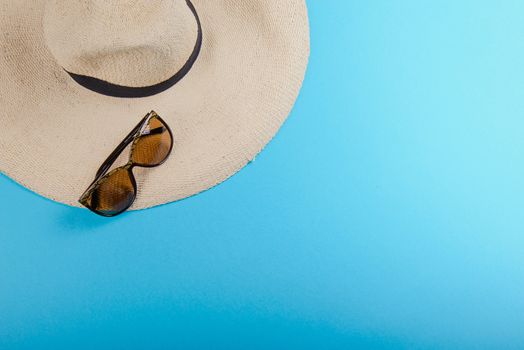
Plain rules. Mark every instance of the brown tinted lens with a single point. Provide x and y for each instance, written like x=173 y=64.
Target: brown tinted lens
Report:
x=153 y=146
x=113 y=194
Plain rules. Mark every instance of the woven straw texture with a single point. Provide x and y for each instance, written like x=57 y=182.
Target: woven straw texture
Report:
x=54 y=133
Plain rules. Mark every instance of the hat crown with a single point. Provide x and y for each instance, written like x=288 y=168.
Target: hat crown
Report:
x=133 y=43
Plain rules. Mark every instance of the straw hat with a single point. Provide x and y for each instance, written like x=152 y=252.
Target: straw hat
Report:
x=77 y=75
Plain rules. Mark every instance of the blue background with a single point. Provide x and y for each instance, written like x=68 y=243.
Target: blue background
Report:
x=387 y=213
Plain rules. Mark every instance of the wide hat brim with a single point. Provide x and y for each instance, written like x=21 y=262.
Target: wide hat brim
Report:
x=54 y=133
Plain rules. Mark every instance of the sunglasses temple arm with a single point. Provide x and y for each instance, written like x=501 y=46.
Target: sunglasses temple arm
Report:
x=118 y=150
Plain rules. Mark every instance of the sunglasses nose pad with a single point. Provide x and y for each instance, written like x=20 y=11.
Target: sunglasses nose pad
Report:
x=154 y=145
x=113 y=194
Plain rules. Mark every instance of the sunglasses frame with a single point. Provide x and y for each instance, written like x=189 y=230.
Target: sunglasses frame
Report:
x=102 y=173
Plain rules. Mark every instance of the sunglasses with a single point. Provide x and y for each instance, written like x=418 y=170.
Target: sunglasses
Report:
x=111 y=194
